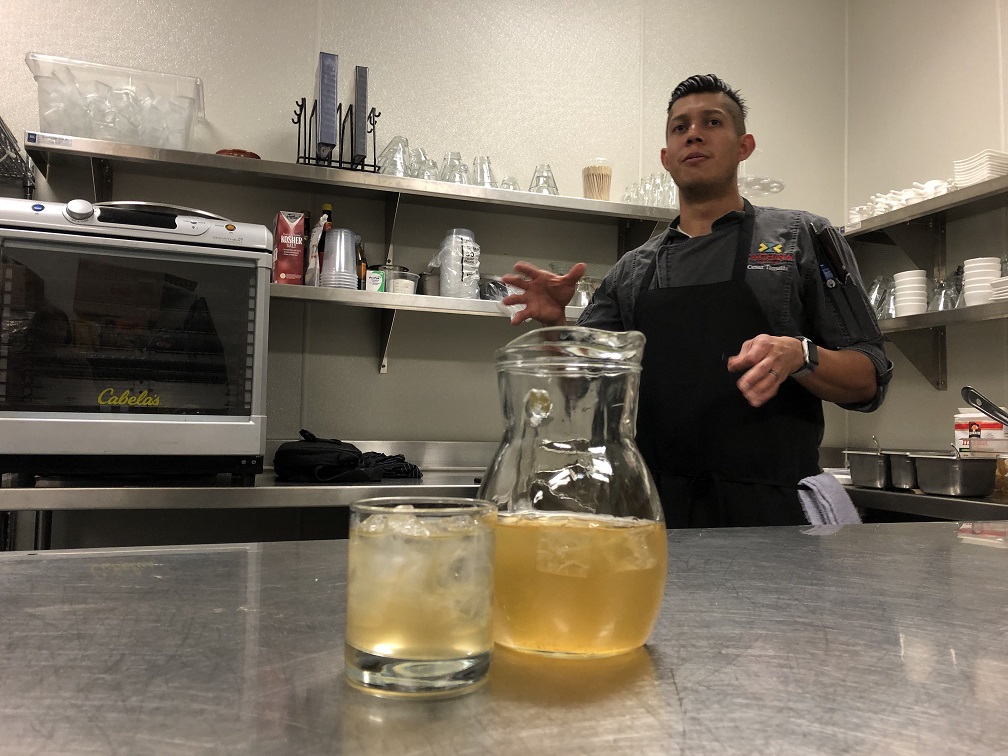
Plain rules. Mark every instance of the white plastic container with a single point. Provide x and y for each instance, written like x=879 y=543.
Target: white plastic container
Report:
x=117 y=104
x=459 y=260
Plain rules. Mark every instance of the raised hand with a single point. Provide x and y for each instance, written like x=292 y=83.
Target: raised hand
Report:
x=544 y=294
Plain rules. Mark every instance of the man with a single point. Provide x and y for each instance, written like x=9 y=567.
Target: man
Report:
x=750 y=325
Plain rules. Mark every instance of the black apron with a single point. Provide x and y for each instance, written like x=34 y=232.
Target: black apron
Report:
x=717 y=460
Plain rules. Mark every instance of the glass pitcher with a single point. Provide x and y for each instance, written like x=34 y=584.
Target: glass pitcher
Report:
x=581 y=545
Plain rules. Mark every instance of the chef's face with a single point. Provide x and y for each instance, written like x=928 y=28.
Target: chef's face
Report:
x=703 y=146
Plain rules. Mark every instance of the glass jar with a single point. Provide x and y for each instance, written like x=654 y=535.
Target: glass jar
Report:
x=581 y=545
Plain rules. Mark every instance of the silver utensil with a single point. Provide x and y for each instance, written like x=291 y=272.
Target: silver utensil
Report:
x=975 y=399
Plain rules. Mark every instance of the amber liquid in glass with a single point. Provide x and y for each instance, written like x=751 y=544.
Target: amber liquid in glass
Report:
x=577 y=585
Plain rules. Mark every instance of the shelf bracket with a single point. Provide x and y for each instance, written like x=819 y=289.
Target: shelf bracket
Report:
x=387 y=321
x=925 y=349
x=101 y=179
x=391 y=210
x=923 y=241
x=632 y=233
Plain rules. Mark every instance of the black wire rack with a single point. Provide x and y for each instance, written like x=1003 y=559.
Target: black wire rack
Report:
x=14 y=167
x=308 y=153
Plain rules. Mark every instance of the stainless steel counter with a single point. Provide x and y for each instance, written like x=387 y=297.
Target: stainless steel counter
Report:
x=219 y=494
x=268 y=493
x=869 y=639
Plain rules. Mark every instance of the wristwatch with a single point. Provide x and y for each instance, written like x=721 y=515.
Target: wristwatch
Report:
x=811 y=353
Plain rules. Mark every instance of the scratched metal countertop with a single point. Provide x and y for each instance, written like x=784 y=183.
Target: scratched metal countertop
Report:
x=863 y=639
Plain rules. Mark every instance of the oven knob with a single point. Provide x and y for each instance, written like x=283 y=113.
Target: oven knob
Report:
x=79 y=209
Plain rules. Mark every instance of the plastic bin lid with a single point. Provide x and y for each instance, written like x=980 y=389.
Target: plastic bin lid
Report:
x=42 y=65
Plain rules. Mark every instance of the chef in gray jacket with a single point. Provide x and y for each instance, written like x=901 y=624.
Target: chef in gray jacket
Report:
x=753 y=317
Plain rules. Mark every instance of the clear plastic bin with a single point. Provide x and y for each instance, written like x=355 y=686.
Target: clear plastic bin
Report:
x=117 y=104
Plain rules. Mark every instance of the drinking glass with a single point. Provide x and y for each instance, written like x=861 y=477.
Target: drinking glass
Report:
x=394 y=158
x=482 y=173
x=879 y=293
x=419 y=587
x=458 y=175
x=452 y=162
x=945 y=297
x=427 y=170
x=396 y=162
x=510 y=182
x=543 y=181
x=417 y=156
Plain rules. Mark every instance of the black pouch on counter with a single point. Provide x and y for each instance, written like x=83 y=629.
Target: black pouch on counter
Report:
x=321 y=460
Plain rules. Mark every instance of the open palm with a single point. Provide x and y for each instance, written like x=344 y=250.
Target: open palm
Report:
x=544 y=294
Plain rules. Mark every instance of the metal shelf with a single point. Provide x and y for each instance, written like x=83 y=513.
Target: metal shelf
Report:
x=390 y=303
x=926 y=320
x=960 y=203
x=920 y=231
x=635 y=223
x=107 y=158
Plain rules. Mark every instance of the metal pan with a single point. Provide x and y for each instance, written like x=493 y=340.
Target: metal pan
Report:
x=955 y=476
x=903 y=469
x=869 y=469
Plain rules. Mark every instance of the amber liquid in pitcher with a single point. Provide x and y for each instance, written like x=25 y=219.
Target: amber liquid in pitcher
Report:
x=577 y=584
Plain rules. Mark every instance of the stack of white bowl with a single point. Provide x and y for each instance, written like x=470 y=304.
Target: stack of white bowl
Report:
x=911 y=292
x=978 y=273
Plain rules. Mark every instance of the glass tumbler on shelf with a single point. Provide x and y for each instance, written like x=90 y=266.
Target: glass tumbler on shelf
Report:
x=878 y=294
x=945 y=297
x=482 y=173
x=543 y=181
x=452 y=163
x=581 y=545
x=419 y=582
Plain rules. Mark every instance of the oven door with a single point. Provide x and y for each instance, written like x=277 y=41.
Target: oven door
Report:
x=130 y=347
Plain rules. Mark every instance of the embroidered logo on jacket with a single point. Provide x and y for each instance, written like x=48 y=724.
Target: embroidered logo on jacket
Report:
x=770 y=257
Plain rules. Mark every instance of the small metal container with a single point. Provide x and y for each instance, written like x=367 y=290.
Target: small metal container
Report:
x=955 y=476
x=430 y=282
x=903 y=469
x=869 y=469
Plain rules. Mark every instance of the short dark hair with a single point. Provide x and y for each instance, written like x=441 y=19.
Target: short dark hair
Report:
x=709 y=83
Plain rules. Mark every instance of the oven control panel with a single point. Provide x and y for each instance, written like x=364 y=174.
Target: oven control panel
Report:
x=134 y=220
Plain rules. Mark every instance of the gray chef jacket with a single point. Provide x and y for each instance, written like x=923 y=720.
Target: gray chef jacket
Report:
x=782 y=272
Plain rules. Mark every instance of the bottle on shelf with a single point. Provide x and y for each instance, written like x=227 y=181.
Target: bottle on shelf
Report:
x=315 y=246
x=362 y=264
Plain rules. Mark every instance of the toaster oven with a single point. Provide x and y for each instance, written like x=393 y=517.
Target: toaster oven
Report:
x=133 y=340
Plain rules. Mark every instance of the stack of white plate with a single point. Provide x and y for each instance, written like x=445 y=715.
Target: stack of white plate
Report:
x=911 y=292
x=1000 y=288
x=982 y=166
x=978 y=273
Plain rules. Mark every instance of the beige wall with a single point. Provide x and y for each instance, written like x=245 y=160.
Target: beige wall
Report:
x=926 y=87
x=522 y=81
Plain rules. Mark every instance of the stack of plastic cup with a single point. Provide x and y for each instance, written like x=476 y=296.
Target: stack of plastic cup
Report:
x=977 y=276
x=911 y=292
x=339 y=261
